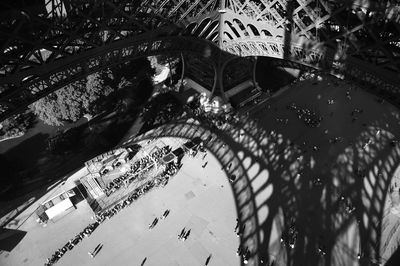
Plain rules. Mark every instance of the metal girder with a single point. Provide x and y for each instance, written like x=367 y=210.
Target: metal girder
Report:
x=201 y=70
x=312 y=18
x=38 y=39
x=82 y=27
x=45 y=45
x=78 y=67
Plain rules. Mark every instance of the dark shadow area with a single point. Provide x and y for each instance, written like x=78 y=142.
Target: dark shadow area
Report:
x=80 y=194
x=19 y=167
x=18 y=154
x=394 y=259
x=314 y=178
x=9 y=177
x=200 y=69
x=11 y=207
x=70 y=149
x=161 y=109
x=272 y=77
x=313 y=192
x=315 y=181
x=237 y=71
x=9 y=238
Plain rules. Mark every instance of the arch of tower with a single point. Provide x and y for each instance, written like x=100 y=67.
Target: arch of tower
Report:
x=47 y=44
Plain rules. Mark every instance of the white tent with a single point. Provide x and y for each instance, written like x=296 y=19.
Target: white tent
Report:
x=59 y=208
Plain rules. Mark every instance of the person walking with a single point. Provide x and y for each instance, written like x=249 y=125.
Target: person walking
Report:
x=182 y=233
x=239 y=251
x=237 y=225
x=96 y=249
x=186 y=235
x=208 y=260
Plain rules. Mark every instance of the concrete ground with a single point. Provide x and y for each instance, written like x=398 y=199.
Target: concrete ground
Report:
x=199 y=199
x=202 y=200
x=365 y=144
x=40 y=242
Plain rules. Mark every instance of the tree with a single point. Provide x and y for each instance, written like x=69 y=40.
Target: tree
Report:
x=131 y=70
x=60 y=106
x=173 y=62
x=95 y=91
x=159 y=110
x=73 y=101
x=16 y=125
x=89 y=96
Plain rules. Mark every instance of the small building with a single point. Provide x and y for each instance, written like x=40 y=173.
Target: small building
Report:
x=100 y=169
x=168 y=158
x=191 y=147
x=56 y=206
x=106 y=162
x=179 y=152
x=93 y=184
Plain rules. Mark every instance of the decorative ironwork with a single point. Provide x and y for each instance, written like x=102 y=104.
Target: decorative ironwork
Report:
x=41 y=85
x=44 y=43
x=236 y=72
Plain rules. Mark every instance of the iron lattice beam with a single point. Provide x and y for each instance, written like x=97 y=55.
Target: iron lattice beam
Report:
x=78 y=67
x=40 y=41
x=47 y=44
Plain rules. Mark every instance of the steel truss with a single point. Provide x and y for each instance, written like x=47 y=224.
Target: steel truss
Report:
x=47 y=44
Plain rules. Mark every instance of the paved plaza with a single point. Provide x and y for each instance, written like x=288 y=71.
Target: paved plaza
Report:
x=270 y=190
x=199 y=198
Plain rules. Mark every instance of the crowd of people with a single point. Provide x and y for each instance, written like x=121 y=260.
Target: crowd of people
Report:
x=346 y=204
x=144 y=162
x=118 y=182
x=161 y=109
x=289 y=236
x=155 y=221
x=86 y=232
x=243 y=252
x=355 y=114
x=212 y=120
x=184 y=234
x=215 y=121
x=138 y=167
x=309 y=117
x=170 y=170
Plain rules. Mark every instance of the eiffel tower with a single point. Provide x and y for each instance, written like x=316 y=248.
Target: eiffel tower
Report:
x=47 y=44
